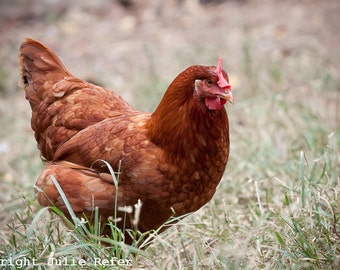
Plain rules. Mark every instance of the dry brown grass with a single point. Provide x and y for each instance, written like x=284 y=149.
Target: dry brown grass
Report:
x=278 y=204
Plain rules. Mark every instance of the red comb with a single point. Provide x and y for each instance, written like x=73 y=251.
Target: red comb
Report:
x=222 y=82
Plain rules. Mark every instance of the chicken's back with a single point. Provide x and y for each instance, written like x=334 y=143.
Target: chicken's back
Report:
x=62 y=104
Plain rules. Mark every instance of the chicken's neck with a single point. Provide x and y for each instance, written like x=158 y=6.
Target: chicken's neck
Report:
x=183 y=126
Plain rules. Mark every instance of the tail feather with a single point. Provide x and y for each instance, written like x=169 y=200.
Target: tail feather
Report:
x=62 y=104
x=42 y=56
x=40 y=70
x=46 y=80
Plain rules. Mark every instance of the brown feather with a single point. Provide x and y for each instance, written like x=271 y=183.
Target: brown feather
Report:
x=171 y=160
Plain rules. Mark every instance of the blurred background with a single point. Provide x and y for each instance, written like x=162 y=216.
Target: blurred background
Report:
x=131 y=46
x=283 y=59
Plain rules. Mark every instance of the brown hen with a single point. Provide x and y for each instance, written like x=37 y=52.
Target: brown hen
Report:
x=171 y=160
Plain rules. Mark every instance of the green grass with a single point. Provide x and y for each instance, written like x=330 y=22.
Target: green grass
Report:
x=278 y=205
x=38 y=240
x=276 y=208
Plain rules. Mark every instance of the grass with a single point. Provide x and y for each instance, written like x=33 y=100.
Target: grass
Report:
x=277 y=207
x=270 y=223
x=38 y=241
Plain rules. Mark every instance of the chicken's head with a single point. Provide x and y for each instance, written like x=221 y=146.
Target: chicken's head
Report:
x=215 y=89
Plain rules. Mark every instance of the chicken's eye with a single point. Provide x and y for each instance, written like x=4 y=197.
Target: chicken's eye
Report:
x=209 y=82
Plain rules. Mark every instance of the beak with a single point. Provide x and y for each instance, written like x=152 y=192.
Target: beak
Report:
x=227 y=96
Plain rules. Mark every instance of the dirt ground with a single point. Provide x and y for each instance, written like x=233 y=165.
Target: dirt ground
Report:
x=138 y=49
x=122 y=48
